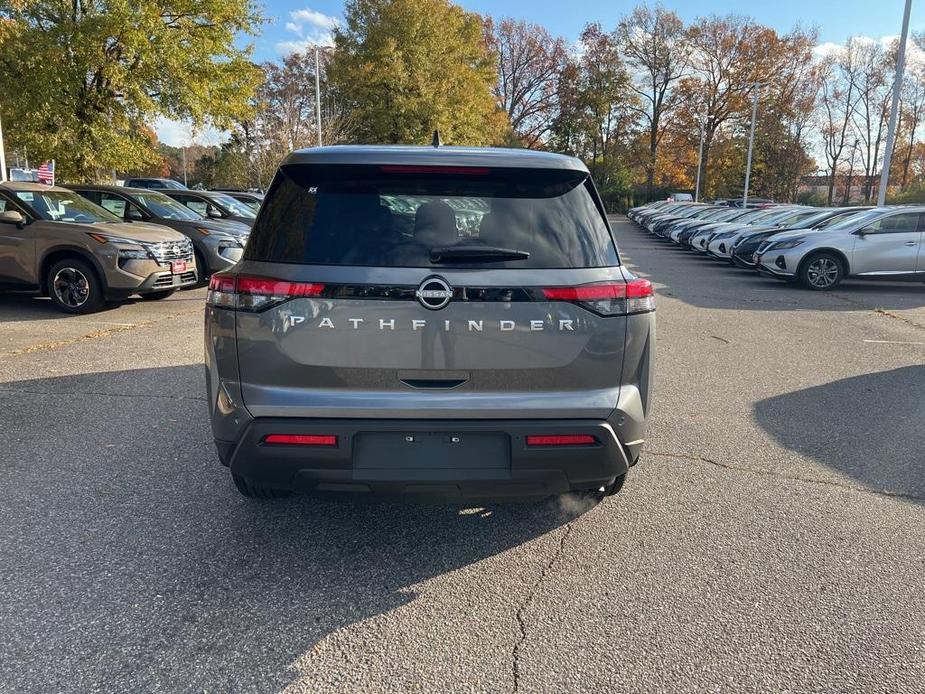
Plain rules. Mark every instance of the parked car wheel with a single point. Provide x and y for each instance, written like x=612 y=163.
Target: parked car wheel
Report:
x=202 y=271
x=821 y=271
x=74 y=286
x=258 y=491
x=157 y=296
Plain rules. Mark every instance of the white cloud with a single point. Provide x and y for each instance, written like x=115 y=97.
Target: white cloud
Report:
x=915 y=57
x=179 y=133
x=316 y=19
x=311 y=27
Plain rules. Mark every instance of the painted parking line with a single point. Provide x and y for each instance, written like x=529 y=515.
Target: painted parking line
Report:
x=892 y=342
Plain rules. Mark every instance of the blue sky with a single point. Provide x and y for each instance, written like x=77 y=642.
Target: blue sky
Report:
x=291 y=23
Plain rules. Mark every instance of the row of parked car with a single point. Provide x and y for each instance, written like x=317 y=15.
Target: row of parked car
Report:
x=815 y=247
x=88 y=245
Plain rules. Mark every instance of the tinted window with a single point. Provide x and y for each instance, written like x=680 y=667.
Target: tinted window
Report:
x=396 y=216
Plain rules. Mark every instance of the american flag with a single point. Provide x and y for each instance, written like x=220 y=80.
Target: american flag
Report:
x=46 y=172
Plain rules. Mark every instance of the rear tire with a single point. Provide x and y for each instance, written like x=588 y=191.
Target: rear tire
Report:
x=202 y=271
x=821 y=272
x=157 y=296
x=258 y=491
x=74 y=286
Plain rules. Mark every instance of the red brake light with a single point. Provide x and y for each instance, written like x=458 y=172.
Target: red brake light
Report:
x=256 y=293
x=562 y=440
x=608 y=298
x=263 y=286
x=589 y=292
x=639 y=289
x=300 y=440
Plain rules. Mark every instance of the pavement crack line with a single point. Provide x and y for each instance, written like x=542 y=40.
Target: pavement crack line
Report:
x=521 y=621
x=794 y=478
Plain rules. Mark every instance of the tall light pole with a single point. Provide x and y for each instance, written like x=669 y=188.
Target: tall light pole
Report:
x=2 y=155
x=894 y=109
x=751 y=144
x=318 y=93
x=703 y=124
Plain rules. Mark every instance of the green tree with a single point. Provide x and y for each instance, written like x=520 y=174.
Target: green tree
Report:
x=82 y=79
x=408 y=67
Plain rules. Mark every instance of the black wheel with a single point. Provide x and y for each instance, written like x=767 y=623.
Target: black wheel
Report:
x=157 y=296
x=202 y=271
x=74 y=286
x=821 y=271
x=257 y=491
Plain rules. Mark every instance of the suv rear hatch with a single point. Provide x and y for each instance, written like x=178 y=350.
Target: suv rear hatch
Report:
x=430 y=292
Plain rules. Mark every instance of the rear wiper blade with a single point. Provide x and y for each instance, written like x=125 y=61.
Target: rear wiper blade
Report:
x=475 y=252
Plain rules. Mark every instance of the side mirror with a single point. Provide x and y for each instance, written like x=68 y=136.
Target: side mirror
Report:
x=213 y=213
x=12 y=217
x=134 y=214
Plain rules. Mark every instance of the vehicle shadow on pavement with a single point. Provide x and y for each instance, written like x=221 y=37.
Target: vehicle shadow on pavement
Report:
x=868 y=427
x=130 y=563
x=705 y=282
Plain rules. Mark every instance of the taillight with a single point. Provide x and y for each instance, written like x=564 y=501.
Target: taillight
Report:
x=608 y=298
x=300 y=440
x=244 y=293
x=562 y=440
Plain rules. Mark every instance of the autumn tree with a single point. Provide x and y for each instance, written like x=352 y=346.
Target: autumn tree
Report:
x=91 y=74
x=597 y=108
x=872 y=107
x=530 y=63
x=404 y=68
x=656 y=49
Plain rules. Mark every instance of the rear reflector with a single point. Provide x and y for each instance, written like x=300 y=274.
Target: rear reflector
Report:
x=256 y=293
x=300 y=440
x=608 y=298
x=562 y=440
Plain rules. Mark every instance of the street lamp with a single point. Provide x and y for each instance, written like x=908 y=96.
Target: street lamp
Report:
x=894 y=109
x=2 y=155
x=703 y=127
x=751 y=143
x=318 y=50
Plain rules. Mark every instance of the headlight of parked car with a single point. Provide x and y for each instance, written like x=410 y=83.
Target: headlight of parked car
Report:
x=134 y=254
x=783 y=245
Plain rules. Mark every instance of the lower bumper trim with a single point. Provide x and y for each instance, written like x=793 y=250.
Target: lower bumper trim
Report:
x=445 y=468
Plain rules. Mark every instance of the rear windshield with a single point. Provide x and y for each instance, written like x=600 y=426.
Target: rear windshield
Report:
x=387 y=216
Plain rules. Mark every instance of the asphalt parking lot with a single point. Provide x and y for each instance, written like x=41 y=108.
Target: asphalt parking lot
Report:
x=771 y=539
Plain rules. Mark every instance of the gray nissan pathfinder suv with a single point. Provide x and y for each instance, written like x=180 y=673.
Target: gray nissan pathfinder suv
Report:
x=430 y=321
x=80 y=255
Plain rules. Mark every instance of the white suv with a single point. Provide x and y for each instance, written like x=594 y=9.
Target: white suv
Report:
x=884 y=243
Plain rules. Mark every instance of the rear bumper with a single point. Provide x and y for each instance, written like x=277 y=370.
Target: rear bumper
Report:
x=439 y=467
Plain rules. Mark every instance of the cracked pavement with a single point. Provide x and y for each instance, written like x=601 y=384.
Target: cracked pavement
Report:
x=771 y=539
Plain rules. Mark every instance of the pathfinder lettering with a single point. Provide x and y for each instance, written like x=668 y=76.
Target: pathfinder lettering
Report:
x=417 y=324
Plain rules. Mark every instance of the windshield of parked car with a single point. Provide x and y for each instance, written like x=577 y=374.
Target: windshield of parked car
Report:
x=769 y=216
x=238 y=209
x=165 y=207
x=64 y=206
x=838 y=218
x=424 y=217
x=857 y=220
x=795 y=218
